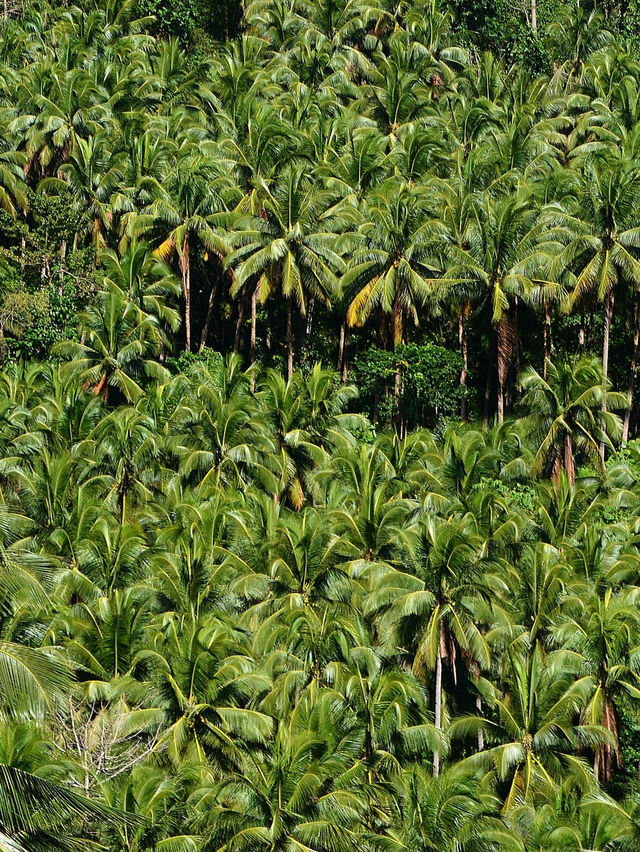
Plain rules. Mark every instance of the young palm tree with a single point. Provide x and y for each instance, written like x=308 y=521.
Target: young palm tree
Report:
x=570 y=412
x=118 y=349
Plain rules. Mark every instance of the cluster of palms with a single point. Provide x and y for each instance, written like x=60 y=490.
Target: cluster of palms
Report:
x=231 y=616
x=349 y=157
x=239 y=621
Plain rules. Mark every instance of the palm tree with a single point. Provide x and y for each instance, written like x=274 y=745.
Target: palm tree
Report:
x=188 y=206
x=534 y=729
x=506 y=255
x=285 y=248
x=569 y=412
x=145 y=280
x=601 y=237
x=37 y=814
x=449 y=813
x=603 y=631
x=294 y=795
x=392 y=266
x=434 y=613
x=119 y=340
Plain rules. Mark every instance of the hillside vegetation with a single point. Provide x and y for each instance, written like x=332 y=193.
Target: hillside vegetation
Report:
x=319 y=479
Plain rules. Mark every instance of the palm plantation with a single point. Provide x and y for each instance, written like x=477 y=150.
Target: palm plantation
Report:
x=362 y=573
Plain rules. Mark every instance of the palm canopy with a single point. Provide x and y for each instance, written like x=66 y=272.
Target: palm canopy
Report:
x=120 y=339
x=393 y=264
x=289 y=248
x=569 y=412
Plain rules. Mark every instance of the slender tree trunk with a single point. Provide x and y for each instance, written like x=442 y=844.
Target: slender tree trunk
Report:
x=500 y=403
x=534 y=16
x=438 y=711
x=254 y=325
x=207 y=319
x=186 y=291
x=581 y=332
x=632 y=372
x=341 y=346
x=289 y=340
x=63 y=254
x=547 y=339
x=480 y=732
x=438 y=702
x=345 y=357
x=398 y=338
x=312 y=303
x=464 y=351
x=569 y=461
x=515 y=327
x=252 y=342
x=608 y=314
x=504 y=348
x=487 y=394
x=237 y=339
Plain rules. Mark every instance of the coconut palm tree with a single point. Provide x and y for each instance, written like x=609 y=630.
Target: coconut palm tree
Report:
x=119 y=342
x=288 y=247
x=535 y=729
x=570 y=411
x=392 y=268
x=188 y=205
x=601 y=236
x=433 y=613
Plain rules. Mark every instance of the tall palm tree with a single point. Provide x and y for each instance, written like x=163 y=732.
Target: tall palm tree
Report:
x=392 y=265
x=506 y=255
x=288 y=247
x=602 y=237
x=185 y=206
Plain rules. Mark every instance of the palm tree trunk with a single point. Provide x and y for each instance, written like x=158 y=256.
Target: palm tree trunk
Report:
x=398 y=337
x=345 y=357
x=464 y=351
x=289 y=340
x=237 y=339
x=341 y=340
x=581 y=332
x=207 y=319
x=569 y=461
x=608 y=314
x=252 y=341
x=480 y=731
x=254 y=323
x=438 y=703
x=547 y=339
x=632 y=373
x=63 y=254
x=505 y=347
x=312 y=303
x=186 y=291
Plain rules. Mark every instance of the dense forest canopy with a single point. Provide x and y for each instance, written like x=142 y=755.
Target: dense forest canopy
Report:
x=319 y=470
